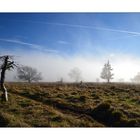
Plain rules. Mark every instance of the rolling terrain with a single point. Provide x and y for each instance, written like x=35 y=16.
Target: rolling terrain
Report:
x=71 y=105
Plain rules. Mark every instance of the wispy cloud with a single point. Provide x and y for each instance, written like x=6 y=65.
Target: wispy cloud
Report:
x=82 y=26
x=33 y=46
x=93 y=27
x=85 y=27
x=62 y=42
x=124 y=37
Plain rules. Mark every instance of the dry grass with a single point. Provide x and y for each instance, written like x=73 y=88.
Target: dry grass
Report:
x=72 y=105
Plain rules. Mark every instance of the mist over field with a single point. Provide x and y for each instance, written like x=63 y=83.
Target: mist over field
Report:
x=54 y=66
x=54 y=44
x=51 y=55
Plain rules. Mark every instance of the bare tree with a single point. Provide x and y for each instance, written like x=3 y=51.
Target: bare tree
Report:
x=106 y=72
x=75 y=74
x=29 y=74
x=7 y=63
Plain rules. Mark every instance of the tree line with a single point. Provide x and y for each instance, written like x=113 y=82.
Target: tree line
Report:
x=29 y=74
x=106 y=73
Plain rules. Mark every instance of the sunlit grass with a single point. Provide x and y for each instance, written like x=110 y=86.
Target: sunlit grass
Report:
x=69 y=105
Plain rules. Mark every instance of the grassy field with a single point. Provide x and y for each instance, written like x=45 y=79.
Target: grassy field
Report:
x=71 y=105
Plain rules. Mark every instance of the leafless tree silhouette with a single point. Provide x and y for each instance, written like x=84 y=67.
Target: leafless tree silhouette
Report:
x=7 y=63
x=29 y=74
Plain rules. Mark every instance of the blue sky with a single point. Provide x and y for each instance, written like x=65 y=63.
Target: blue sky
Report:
x=71 y=35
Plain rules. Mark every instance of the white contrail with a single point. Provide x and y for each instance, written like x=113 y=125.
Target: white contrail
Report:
x=81 y=26
x=33 y=46
x=124 y=37
x=19 y=42
x=85 y=26
x=96 y=28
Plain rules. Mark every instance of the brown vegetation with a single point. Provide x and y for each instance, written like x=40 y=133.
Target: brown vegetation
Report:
x=71 y=105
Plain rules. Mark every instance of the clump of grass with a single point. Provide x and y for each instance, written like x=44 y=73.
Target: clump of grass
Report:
x=56 y=118
x=101 y=112
x=95 y=96
x=82 y=98
x=60 y=95
x=111 y=117
x=74 y=93
x=132 y=122
x=40 y=123
x=8 y=120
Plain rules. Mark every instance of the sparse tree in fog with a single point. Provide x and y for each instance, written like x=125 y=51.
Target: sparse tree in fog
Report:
x=28 y=74
x=106 y=72
x=60 y=81
x=6 y=63
x=75 y=74
x=136 y=78
x=121 y=80
x=97 y=80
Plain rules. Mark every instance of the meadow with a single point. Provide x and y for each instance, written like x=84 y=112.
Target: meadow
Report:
x=71 y=105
